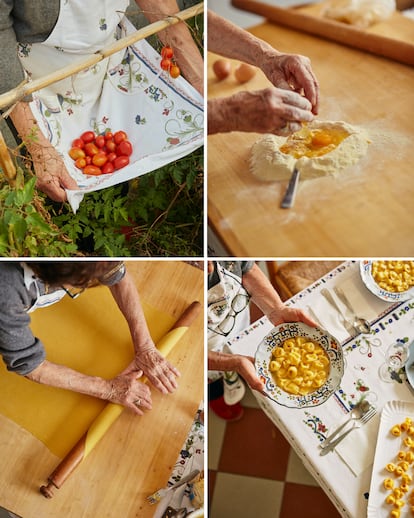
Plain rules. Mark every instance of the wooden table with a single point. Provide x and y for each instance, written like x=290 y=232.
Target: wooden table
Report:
x=367 y=210
x=136 y=455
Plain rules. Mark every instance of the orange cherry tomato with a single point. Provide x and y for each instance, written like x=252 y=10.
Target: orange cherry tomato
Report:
x=120 y=162
x=76 y=152
x=80 y=163
x=166 y=64
x=92 y=170
x=175 y=71
x=108 y=168
x=119 y=136
x=78 y=142
x=100 y=141
x=100 y=158
x=167 y=52
x=88 y=136
x=124 y=148
x=108 y=135
x=91 y=149
x=110 y=146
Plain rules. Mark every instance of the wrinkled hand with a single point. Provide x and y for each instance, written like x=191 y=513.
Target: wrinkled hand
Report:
x=157 y=369
x=245 y=367
x=287 y=314
x=51 y=173
x=271 y=110
x=292 y=72
x=127 y=390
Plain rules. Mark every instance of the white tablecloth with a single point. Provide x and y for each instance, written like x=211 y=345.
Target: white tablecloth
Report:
x=305 y=429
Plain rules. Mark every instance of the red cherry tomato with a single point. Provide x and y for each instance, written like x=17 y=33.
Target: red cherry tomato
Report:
x=92 y=170
x=80 y=163
x=100 y=158
x=175 y=71
x=111 y=156
x=100 y=141
x=91 y=149
x=124 y=148
x=166 y=64
x=167 y=52
x=110 y=146
x=88 y=136
x=88 y=160
x=108 y=135
x=119 y=136
x=76 y=152
x=108 y=168
x=78 y=142
x=120 y=162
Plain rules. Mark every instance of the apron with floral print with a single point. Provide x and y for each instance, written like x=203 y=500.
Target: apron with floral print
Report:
x=128 y=91
x=228 y=311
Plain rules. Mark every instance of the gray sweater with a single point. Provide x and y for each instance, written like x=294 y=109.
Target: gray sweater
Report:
x=23 y=21
x=21 y=351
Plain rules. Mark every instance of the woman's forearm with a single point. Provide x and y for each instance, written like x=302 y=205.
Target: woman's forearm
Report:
x=261 y=291
x=127 y=298
x=60 y=376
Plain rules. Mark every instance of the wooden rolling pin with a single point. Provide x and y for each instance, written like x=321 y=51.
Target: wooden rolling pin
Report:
x=400 y=51
x=112 y=411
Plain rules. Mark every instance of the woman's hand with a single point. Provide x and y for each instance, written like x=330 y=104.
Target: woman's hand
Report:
x=52 y=175
x=287 y=314
x=292 y=72
x=244 y=365
x=272 y=110
x=127 y=390
x=157 y=369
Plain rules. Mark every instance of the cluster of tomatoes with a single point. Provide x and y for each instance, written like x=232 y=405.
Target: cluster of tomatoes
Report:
x=101 y=154
x=167 y=62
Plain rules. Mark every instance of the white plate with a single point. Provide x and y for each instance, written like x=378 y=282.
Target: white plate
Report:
x=365 y=268
x=276 y=337
x=388 y=446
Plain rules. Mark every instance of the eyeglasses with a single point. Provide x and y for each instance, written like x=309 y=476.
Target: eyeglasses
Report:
x=73 y=292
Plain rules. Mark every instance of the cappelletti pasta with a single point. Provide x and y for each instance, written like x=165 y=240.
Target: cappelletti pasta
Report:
x=393 y=276
x=299 y=366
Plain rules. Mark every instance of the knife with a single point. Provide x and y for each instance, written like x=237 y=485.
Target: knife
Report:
x=289 y=197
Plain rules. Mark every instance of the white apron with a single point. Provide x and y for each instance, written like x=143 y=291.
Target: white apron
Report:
x=128 y=91
x=44 y=300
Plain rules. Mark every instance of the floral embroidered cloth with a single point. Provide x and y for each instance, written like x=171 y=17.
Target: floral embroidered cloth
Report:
x=365 y=357
x=128 y=91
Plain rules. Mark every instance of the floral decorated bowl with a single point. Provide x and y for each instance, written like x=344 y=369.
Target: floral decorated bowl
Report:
x=277 y=337
x=365 y=268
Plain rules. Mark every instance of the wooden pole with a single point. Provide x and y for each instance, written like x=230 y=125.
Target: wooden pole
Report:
x=112 y=411
x=24 y=89
x=6 y=163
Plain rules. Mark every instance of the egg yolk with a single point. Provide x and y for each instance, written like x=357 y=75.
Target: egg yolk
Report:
x=313 y=142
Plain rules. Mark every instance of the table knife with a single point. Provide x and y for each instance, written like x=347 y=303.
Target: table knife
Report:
x=289 y=197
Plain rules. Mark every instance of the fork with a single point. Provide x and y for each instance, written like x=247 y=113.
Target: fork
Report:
x=357 y=424
x=160 y=494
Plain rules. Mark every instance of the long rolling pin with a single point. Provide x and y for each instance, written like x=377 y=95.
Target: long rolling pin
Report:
x=112 y=411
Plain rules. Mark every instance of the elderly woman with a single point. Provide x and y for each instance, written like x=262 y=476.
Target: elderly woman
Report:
x=232 y=286
x=38 y=37
x=28 y=286
x=279 y=109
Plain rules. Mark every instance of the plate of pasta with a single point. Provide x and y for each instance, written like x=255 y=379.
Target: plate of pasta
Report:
x=301 y=366
x=392 y=281
x=391 y=491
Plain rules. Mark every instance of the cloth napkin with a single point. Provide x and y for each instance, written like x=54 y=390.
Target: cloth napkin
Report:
x=364 y=303
x=357 y=450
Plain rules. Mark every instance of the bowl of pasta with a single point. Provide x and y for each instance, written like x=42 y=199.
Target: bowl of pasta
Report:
x=392 y=281
x=301 y=366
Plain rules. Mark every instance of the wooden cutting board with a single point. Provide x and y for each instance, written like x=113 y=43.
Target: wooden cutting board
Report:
x=392 y=38
x=366 y=211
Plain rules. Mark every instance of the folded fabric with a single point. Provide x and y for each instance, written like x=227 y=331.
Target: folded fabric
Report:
x=357 y=450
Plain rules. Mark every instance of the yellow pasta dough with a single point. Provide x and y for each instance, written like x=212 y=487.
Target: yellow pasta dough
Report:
x=299 y=366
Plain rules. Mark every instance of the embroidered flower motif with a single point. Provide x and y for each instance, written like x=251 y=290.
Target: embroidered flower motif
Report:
x=140 y=120
x=102 y=24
